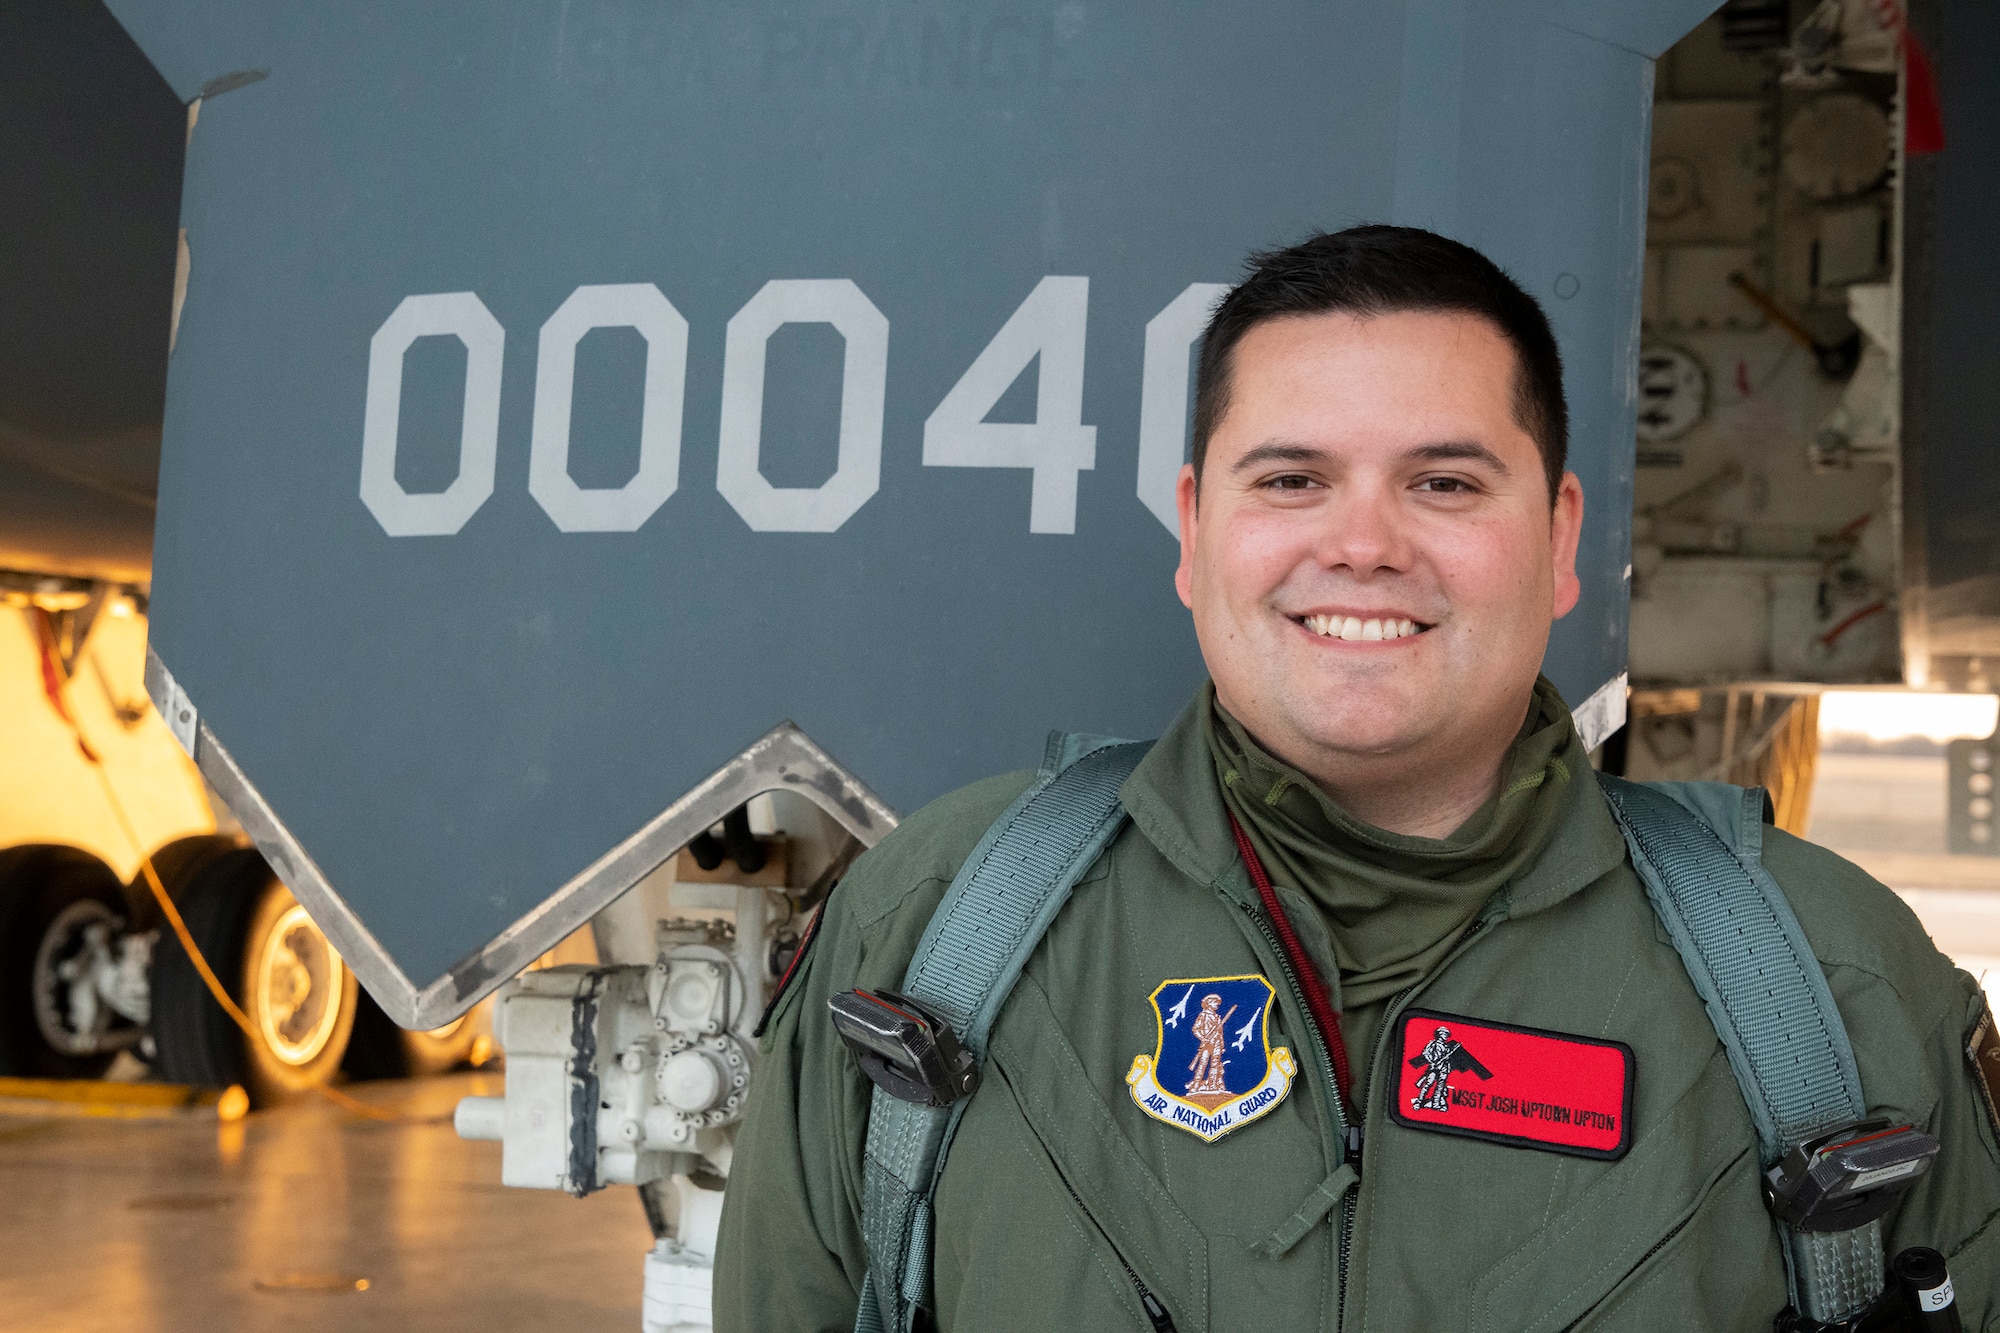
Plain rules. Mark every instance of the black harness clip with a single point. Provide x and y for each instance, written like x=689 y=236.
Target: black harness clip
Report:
x=1848 y=1176
x=905 y=1049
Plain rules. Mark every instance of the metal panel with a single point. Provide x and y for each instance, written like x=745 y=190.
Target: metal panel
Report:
x=1646 y=26
x=1951 y=398
x=449 y=727
x=90 y=153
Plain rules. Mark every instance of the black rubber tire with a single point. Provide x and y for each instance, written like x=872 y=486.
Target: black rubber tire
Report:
x=177 y=864
x=36 y=884
x=380 y=1049
x=195 y=1040
x=225 y=905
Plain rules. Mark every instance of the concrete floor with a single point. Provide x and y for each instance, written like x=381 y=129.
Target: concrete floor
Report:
x=165 y=1226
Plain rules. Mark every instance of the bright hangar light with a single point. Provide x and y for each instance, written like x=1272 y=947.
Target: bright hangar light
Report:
x=1887 y=715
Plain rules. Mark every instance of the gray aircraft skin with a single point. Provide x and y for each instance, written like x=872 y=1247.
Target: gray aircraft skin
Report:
x=566 y=396
x=90 y=148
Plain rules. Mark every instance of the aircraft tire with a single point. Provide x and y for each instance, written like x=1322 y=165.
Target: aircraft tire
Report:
x=276 y=965
x=48 y=895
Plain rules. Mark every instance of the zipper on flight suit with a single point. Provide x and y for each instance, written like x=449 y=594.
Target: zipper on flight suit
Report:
x=1156 y=1312
x=1351 y=1137
x=1346 y=1137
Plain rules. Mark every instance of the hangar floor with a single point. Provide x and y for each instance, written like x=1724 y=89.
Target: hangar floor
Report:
x=276 y=1221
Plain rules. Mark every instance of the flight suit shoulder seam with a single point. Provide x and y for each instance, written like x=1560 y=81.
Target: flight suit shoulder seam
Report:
x=879 y=911
x=1924 y=1019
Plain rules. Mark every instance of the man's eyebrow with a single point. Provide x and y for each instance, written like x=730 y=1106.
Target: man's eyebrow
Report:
x=1444 y=451
x=1279 y=451
x=1463 y=451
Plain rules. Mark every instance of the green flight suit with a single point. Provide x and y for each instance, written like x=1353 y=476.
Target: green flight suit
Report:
x=1060 y=1191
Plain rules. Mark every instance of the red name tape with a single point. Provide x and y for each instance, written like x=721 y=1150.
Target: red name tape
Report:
x=1514 y=1085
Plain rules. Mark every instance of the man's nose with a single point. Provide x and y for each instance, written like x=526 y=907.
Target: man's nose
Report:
x=1365 y=532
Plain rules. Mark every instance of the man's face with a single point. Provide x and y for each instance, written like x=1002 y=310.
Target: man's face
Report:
x=1374 y=563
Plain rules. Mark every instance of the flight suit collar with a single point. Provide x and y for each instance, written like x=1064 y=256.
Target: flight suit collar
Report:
x=1176 y=803
x=1586 y=847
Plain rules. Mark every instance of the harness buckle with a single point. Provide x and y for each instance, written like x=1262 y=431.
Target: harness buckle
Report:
x=1848 y=1176
x=905 y=1048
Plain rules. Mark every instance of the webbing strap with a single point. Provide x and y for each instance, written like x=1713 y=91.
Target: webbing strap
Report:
x=1765 y=993
x=971 y=954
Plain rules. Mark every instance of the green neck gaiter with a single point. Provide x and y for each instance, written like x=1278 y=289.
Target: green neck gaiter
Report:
x=1395 y=905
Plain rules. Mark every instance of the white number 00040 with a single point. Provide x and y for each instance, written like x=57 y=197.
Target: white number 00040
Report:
x=1054 y=447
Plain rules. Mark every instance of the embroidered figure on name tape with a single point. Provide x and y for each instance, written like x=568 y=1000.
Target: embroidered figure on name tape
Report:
x=1525 y=1087
x=1439 y=1060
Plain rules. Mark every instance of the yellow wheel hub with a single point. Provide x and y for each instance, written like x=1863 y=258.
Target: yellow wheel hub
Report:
x=298 y=982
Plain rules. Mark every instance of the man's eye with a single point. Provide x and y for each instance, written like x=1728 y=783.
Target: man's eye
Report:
x=1444 y=485
x=1290 y=482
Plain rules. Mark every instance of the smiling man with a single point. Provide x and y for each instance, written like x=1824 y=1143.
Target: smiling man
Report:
x=1359 y=1015
x=1377 y=528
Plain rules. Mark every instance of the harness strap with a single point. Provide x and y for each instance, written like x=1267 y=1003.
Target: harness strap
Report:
x=966 y=964
x=1765 y=993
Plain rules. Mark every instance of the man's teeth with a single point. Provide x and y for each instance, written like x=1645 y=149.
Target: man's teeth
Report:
x=1348 y=627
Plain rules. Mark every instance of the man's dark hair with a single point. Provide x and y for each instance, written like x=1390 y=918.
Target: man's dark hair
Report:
x=1379 y=270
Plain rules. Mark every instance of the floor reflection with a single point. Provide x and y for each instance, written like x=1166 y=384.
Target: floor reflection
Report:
x=169 y=1227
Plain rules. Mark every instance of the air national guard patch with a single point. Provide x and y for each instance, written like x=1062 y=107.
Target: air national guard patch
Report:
x=1514 y=1085
x=1212 y=1068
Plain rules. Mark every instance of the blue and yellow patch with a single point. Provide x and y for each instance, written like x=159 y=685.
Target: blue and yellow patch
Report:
x=1212 y=1069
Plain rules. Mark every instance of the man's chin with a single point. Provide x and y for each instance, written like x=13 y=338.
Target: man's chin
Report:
x=1362 y=729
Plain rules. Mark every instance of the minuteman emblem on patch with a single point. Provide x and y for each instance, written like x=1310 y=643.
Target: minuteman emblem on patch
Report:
x=1212 y=1069
x=1514 y=1085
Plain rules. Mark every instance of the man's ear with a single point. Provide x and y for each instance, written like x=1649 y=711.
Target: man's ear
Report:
x=1565 y=530
x=1184 y=501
